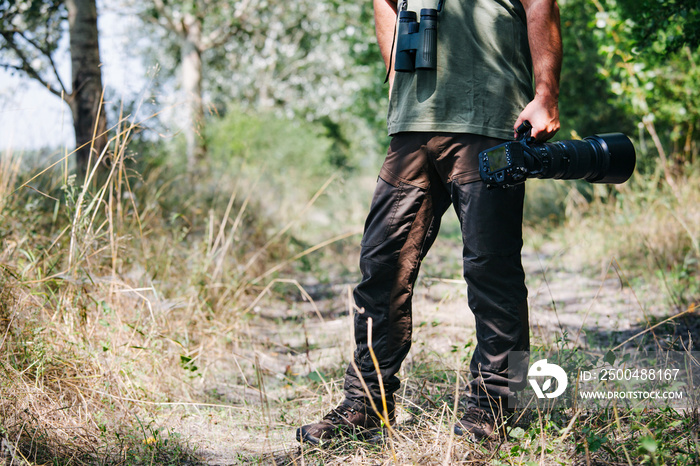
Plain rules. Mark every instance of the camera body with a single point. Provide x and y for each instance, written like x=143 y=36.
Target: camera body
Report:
x=416 y=43
x=605 y=158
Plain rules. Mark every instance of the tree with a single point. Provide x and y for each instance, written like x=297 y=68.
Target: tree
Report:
x=85 y=101
x=30 y=31
x=310 y=59
x=585 y=94
x=660 y=90
x=624 y=86
x=199 y=26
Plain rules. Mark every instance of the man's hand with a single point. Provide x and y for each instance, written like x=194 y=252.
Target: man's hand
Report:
x=543 y=115
x=544 y=38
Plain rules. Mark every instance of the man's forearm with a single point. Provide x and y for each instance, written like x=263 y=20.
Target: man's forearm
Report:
x=384 y=23
x=544 y=39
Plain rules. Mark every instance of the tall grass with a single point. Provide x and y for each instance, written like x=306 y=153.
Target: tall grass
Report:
x=141 y=289
x=652 y=230
x=116 y=294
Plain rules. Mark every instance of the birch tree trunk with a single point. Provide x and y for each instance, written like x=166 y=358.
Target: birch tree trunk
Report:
x=191 y=56
x=86 y=98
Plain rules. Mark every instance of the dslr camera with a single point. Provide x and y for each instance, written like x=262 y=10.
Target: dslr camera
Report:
x=416 y=43
x=602 y=158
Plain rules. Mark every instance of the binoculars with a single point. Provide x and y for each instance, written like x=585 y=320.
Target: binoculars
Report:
x=416 y=43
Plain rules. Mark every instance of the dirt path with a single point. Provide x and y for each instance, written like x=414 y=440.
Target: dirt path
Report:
x=289 y=343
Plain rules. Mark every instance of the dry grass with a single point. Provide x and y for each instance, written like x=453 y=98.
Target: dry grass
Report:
x=647 y=226
x=120 y=296
x=143 y=322
x=107 y=304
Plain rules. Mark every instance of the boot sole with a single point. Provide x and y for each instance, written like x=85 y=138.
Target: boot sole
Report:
x=373 y=435
x=471 y=436
x=303 y=437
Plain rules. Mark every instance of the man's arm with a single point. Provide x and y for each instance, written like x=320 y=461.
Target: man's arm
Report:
x=384 y=24
x=544 y=38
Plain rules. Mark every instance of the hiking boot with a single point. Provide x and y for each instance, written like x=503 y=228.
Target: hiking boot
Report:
x=345 y=419
x=477 y=424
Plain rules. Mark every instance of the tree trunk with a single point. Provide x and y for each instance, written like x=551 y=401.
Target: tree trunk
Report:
x=192 y=87
x=88 y=118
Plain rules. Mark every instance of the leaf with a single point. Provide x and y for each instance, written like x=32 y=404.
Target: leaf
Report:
x=315 y=376
x=517 y=432
x=595 y=442
x=648 y=443
x=187 y=363
x=609 y=357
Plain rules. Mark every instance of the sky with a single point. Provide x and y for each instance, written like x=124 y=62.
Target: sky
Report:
x=33 y=118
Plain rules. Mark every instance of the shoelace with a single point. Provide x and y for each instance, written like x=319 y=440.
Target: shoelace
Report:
x=339 y=413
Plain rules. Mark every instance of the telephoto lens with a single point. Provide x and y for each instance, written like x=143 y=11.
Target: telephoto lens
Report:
x=602 y=158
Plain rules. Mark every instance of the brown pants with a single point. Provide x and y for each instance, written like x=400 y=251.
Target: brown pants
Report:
x=422 y=175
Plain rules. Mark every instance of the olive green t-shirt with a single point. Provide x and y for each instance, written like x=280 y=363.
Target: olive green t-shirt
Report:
x=484 y=72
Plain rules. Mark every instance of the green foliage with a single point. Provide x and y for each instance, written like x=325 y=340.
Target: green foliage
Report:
x=287 y=163
x=37 y=22
x=546 y=201
x=30 y=33
x=661 y=93
x=307 y=60
x=663 y=26
x=585 y=95
x=166 y=263
x=608 y=85
x=280 y=145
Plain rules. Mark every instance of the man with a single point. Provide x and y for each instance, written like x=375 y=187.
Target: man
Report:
x=488 y=52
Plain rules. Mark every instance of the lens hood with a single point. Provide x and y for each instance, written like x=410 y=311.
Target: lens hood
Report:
x=621 y=155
